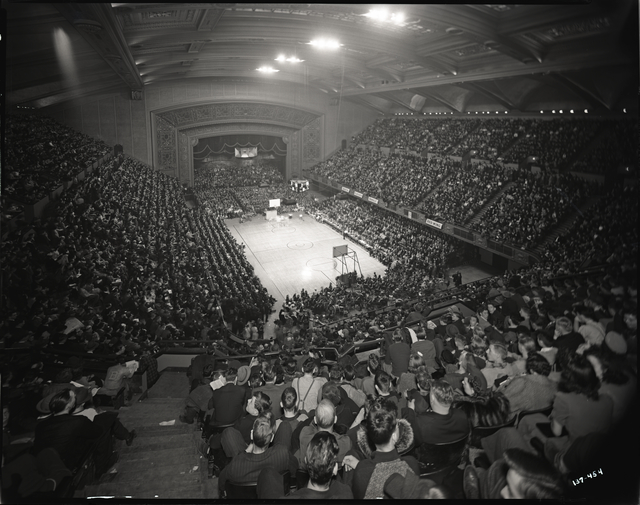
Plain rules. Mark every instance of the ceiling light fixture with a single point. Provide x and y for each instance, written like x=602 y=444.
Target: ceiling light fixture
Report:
x=267 y=70
x=291 y=59
x=325 y=43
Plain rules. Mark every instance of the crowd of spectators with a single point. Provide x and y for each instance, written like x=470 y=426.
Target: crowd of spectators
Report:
x=41 y=153
x=529 y=344
x=123 y=248
x=536 y=202
x=124 y=264
x=617 y=147
x=605 y=231
x=420 y=176
x=237 y=173
x=492 y=138
x=435 y=136
x=553 y=143
x=459 y=198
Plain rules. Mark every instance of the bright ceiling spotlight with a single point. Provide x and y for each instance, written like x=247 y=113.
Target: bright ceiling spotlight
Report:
x=586 y=111
x=541 y=112
x=281 y=58
x=380 y=14
x=623 y=110
x=325 y=43
x=553 y=112
x=397 y=18
x=267 y=70
x=560 y=111
x=293 y=59
x=571 y=111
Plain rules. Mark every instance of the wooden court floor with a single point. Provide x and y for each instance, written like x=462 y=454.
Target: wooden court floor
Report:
x=291 y=254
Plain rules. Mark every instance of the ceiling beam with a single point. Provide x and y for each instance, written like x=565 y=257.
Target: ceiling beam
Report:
x=365 y=103
x=431 y=96
x=389 y=96
x=108 y=40
x=209 y=19
x=478 y=88
x=581 y=90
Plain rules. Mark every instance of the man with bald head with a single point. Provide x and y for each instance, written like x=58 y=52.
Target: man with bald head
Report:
x=324 y=420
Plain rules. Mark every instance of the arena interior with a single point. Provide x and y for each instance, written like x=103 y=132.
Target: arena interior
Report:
x=319 y=251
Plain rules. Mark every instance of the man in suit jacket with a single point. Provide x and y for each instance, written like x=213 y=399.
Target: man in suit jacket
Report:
x=228 y=402
x=71 y=436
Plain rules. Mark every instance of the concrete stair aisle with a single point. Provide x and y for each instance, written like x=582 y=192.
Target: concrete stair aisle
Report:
x=565 y=225
x=484 y=208
x=163 y=462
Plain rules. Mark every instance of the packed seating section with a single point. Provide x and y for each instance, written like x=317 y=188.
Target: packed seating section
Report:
x=109 y=273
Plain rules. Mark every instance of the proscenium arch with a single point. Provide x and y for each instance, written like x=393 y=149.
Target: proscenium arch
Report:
x=175 y=127
x=193 y=135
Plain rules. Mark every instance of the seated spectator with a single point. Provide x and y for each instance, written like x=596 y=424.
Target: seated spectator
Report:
x=497 y=367
x=345 y=407
x=547 y=348
x=269 y=448
x=384 y=388
x=289 y=405
x=370 y=475
x=425 y=348
x=257 y=405
x=324 y=420
x=533 y=391
x=565 y=337
x=469 y=366
x=578 y=409
x=518 y=475
x=272 y=390
x=322 y=461
x=229 y=401
x=348 y=384
x=366 y=384
x=71 y=436
x=442 y=424
x=308 y=386
x=617 y=380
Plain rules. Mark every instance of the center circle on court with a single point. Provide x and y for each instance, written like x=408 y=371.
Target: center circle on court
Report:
x=300 y=245
x=320 y=264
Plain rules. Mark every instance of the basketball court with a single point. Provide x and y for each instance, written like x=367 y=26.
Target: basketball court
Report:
x=289 y=254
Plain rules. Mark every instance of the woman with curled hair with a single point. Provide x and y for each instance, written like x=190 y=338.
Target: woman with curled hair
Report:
x=578 y=410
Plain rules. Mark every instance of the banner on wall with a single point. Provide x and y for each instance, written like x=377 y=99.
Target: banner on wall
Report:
x=373 y=200
x=346 y=190
x=435 y=224
x=359 y=195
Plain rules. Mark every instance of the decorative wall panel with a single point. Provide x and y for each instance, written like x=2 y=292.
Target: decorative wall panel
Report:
x=312 y=138
x=219 y=111
x=184 y=151
x=165 y=143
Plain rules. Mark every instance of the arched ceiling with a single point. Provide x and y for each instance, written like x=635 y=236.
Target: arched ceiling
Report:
x=443 y=57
